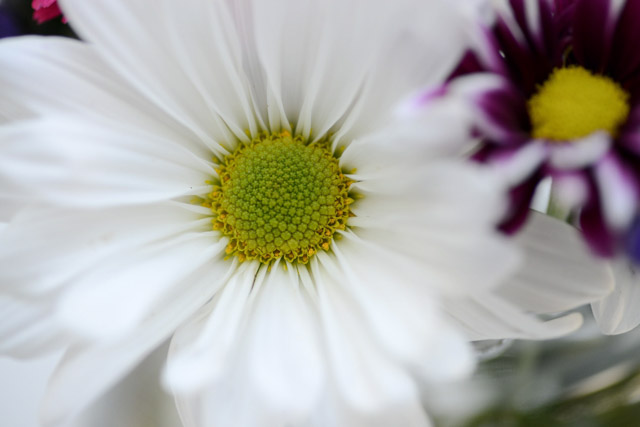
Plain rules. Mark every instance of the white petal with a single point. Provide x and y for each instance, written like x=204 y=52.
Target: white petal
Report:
x=408 y=413
x=27 y=330
x=269 y=370
x=274 y=374
x=518 y=166
x=135 y=284
x=201 y=350
x=341 y=52
x=411 y=139
x=43 y=76
x=473 y=87
x=365 y=379
x=559 y=273
x=105 y=363
x=451 y=357
x=403 y=315
x=185 y=58
x=92 y=164
x=42 y=248
x=451 y=244
x=440 y=189
x=618 y=191
x=582 y=153
x=420 y=44
x=285 y=364
x=300 y=44
x=137 y=400
x=491 y=317
x=620 y=311
x=22 y=387
x=229 y=403
x=571 y=190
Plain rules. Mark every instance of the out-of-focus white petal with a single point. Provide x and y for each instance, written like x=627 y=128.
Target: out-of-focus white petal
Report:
x=104 y=363
x=490 y=317
x=559 y=273
x=137 y=400
x=22 y=387
x=620 y=311
x=452 y=240
x=618 y=190
x=27 y=330
x=582 y=153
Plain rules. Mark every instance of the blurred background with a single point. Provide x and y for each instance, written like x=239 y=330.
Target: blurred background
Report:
x=16 y=18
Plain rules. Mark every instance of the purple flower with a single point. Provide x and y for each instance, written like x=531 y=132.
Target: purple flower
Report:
x=557 y=87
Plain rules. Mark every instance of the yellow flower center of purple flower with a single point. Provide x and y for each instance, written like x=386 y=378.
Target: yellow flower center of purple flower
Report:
x=279 y=196
x=574 y=103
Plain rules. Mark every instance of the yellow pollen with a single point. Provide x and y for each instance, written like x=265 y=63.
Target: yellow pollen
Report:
x=574 y=103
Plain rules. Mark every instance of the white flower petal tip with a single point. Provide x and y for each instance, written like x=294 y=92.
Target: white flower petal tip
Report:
x=476 y=84
x=618 y=192
x=490 y=317
x=516 y=166
x=559 y=327
x=571 y=191
x=559 y=272
x=620 y=312
x=582 y=153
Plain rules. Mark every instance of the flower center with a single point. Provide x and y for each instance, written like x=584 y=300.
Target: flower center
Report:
x=280 y=197
x=573 y=103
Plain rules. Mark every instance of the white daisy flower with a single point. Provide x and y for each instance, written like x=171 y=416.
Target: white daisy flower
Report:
x=231 y=175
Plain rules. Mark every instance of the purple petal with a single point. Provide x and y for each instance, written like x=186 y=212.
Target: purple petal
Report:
x=563 y=18
x=533 y=52
x=542 y=40
x=593 y=26
x=625 y=58
x=470 y=63
x=505 y=110
x=519 y=201
x=597 y=234
x=520 y=62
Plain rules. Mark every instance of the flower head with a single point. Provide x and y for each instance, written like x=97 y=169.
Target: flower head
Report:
x=232 y=176
x=563 y=102
x=556 y=86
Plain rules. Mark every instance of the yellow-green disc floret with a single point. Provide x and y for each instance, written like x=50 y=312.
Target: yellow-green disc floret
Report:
x=279 y=197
